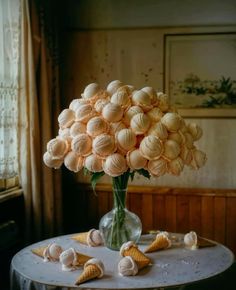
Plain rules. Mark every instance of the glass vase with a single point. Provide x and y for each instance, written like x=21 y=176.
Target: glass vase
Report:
x=119 y=225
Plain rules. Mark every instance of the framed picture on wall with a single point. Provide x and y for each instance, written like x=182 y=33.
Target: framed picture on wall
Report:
x=200 y=73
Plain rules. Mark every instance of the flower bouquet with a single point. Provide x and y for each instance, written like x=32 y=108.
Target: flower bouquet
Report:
x=120 y=131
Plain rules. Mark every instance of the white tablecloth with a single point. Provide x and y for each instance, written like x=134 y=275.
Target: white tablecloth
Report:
x=172 y=267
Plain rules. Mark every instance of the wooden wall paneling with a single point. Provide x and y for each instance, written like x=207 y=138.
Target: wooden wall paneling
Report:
x=159 y=222
x=195 y=206
x=170 y=213
x=207 y=217
x=103 y=203
x=231 y=223
x=147 y=215
x=135 y=203
x=92 y=205
x=219 y=219
x=182 y=213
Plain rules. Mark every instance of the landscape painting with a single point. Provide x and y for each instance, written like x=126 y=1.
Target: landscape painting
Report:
x=200 y=73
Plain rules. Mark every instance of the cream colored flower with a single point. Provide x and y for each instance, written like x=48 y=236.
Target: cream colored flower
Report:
x=66 y=118
x=198 y=159
x=195 y=130
x=186 y=155
x=172 y=121
x=84 y=113
x=171 y=149
x=151 y=147
x=159 y=130
x=93 y=163
x=115 y=165
x=116 y=127
x=121 y=97
x=91 y=91
x=188 y=140
x=112 y=112
x=158 y=167
x=104 y=145
x=57 y=148
x=142 y=99
x=82 y=144
x=163 y=102
x=51 y=162
x=135 y=160
x=73 y=161
x=97 y=126
x=133 y=110
x=100 y=104
x=76 y=103
x=155 y=114
x=77 y=128
x=126 y=139
x=114 y=86
x=176 y=166
x=140 y=123
x=152 y=94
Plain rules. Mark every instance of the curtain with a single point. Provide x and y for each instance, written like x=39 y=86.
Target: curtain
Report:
x=9 y=86
x=38 y=109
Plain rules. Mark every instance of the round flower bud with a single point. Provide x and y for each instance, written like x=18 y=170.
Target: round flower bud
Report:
x=57 y=148
x=152 y=94
x=66 y=118
x=195 y=131
x=155 y=114
x=114 y=86
x=159 y=130
x=172 y=121
x=73 y=161
x=84 y=113
x=135 y=160
x=100 y=104
x=82 y=144
x=97 y=126
x=115 y=165
x=130 y=113
x=171 y=149
x=77 y=128
x=50 y=162
x=163 y=102
x=177 y=137
x=93 y=163
x=121 y=97
x=176 y=166
x=116 y=127
x=198 y=159
x=142 y=99
x=151 y=147
x=112 y=112
x=126 y=139
x=157 y=167
x=140 y=123
x=104 y=145
x=91 y=90
x=76 y=103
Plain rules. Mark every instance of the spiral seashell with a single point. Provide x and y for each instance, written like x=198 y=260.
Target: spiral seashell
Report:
x=51 y=162
x=93 y=163
x=73 y=161
x=176 y=166
x=82 y=144
x=128 y=115
x=97 y=126
x=140 y=123
x=171 y=149
x=135 y=160
x=159 y=130
x=66 y=118
x=198 y=159
x=126 y=139
x=77 y=128
x=151 y=147
x=155 y=114
x=158 y=167
x=172 y=121
x=114 y=86
x=142 y=99
x=195 y=130
x=57 y=148
x=115 y=165
x=163 y=102
x=104 y=145
x=112 y=112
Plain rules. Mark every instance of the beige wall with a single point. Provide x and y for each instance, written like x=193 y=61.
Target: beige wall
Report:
x=135 y=56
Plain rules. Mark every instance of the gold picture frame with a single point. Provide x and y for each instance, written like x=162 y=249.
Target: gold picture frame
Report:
x=200 y=73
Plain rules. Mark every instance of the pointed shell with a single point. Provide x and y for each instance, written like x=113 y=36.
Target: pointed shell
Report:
x=112 y=112
x=50 y=162
x=159 y=130
x=57 y=148
x=172 y=121
x=157 y=167
x=140 y=123
x=114 y=86
x=171 y=149
x=77 y=128
x=135 y=160
x=73 y=161
x=104 y=145
x=115 y=165
x=66 y=118
x=97 y=126
x=93 y=163
x=151 y=147
x=82 y=144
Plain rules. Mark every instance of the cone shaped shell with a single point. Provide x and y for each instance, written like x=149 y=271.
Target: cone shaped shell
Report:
x=158 y=130
x=160 y=243
x=82 y=144
x=97 y=126
x=195 y=131
x=57 y=148
x=51 y=162
x=155 y=114
x=104 y=145
x=112 y=112
x=115 y=165
x=158 y=167
x=84 y=113
x=135 y=160
x=176 y=166
x=73 y=161
x=171 y=149
x=66 y=118
x=140 y=123
x=130 y=113
x=126 y=139
x=77 y=128
x=93 y=163
x=151 y=147
x=89 y=273
x=81 y=238
x=113 y=86
x=39 y=251
x=172 y=121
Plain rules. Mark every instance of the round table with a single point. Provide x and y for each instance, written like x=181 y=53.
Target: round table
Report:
x=172 y=267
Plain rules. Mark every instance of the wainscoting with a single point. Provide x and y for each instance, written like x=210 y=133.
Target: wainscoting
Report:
x=209 y=212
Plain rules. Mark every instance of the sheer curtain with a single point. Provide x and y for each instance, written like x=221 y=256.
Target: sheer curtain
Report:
x=9 y=85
